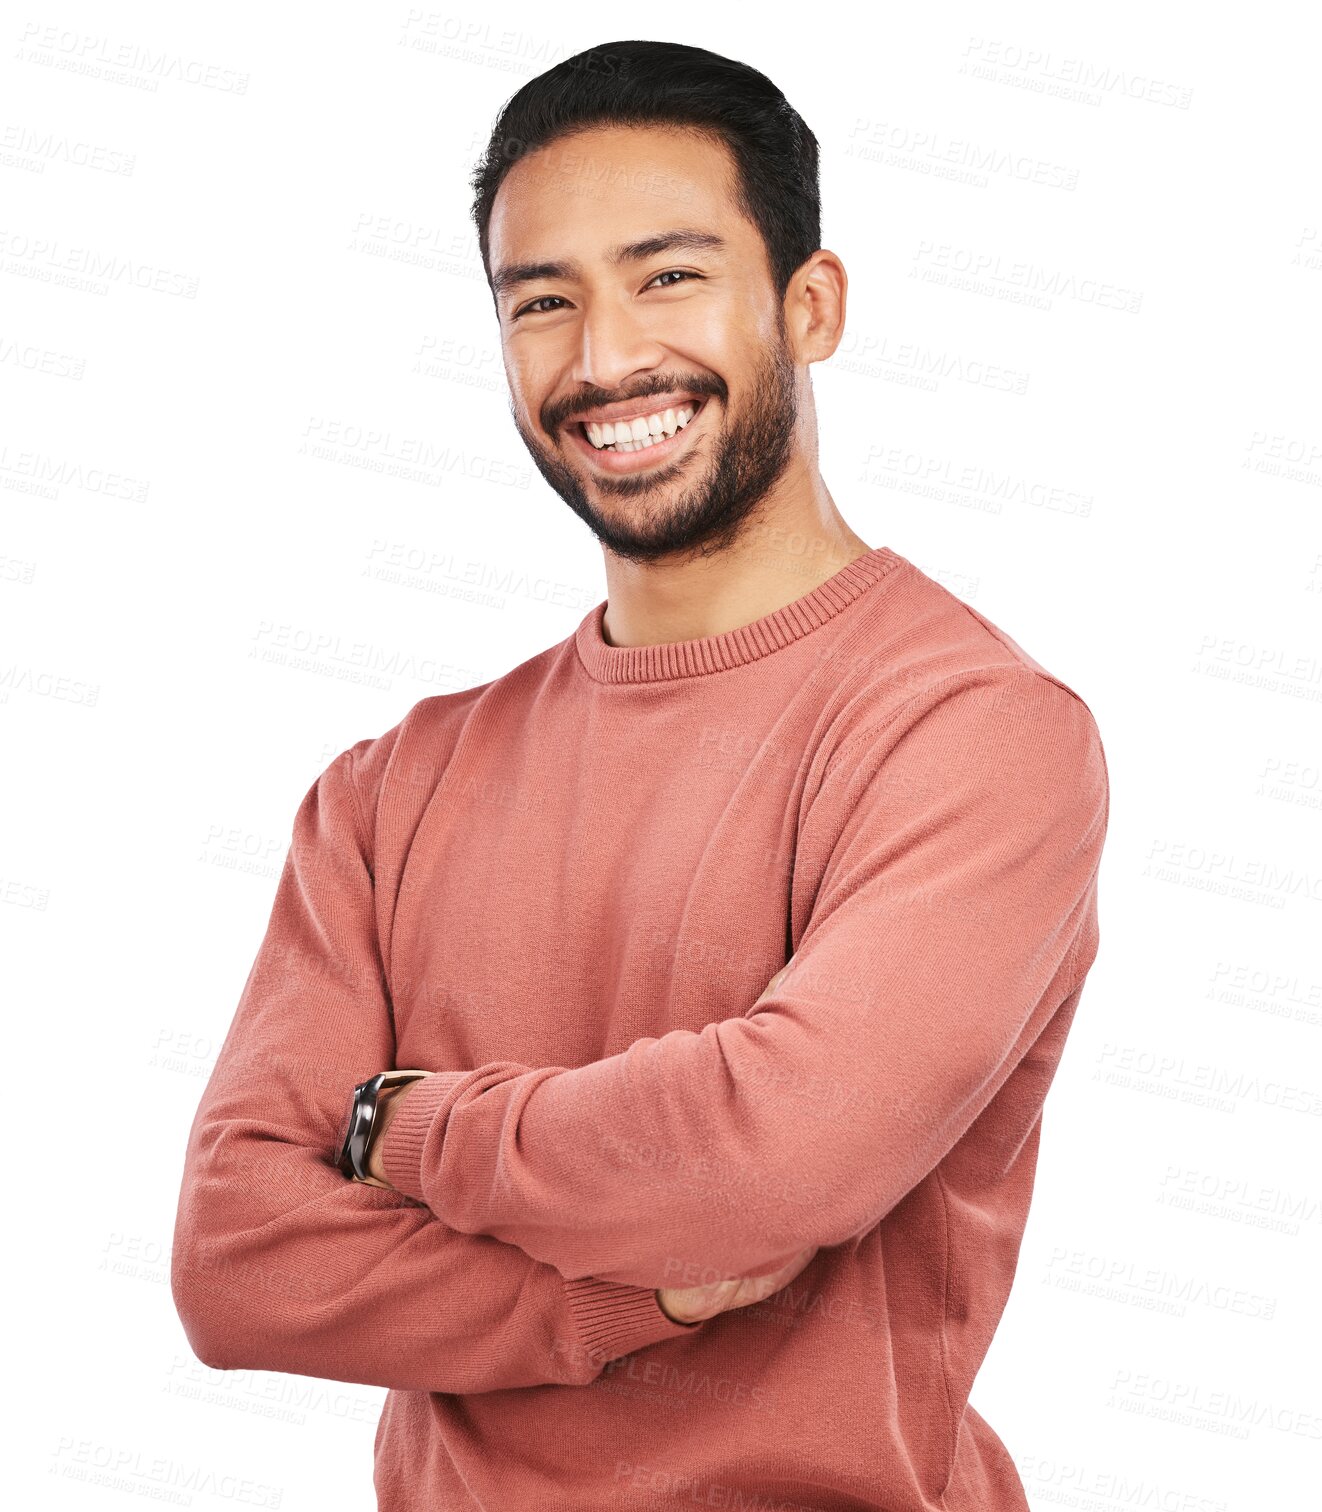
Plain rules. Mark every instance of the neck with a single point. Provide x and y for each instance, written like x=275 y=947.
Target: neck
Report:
x=687 y=597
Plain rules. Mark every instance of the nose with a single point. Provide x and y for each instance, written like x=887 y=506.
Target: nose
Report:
x=614 y=345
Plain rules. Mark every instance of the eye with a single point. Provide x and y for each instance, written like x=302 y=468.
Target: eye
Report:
x=531 y=307
x=676 y=273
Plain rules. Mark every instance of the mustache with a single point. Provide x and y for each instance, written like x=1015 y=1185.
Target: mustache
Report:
x=600 y=398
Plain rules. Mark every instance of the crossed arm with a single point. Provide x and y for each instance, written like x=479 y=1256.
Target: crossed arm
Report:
x=955 y=851
x=280 y=1263
x=950 y=908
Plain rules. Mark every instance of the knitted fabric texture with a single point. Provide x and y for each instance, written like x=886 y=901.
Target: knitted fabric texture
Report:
x=565 y=892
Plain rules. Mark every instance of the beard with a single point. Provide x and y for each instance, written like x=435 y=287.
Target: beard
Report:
x=662 y=517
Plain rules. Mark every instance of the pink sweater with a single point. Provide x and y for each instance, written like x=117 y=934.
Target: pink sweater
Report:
x=565 y=891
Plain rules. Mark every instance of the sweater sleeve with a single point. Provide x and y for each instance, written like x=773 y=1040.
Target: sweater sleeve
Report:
x=282 y=1263
x=954 y=847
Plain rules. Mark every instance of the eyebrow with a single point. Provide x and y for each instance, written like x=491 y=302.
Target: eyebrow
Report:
x=683 y=240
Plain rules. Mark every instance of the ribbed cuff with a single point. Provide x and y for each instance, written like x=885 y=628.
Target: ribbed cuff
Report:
x=402 y=1147
x=614 y=1319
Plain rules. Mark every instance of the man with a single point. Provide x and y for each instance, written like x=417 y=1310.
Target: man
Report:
x=729 y=945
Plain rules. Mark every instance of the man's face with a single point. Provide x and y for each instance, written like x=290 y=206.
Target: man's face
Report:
x=662 y=332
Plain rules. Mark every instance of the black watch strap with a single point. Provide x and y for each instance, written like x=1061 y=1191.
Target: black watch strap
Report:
x=362 y=1120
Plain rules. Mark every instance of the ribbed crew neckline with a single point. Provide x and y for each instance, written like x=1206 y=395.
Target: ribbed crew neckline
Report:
x=672 y=660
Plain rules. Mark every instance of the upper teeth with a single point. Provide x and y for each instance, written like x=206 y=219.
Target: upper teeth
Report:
x=633 y=435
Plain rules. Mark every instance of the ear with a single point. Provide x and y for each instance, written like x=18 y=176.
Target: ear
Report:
x=815 y=307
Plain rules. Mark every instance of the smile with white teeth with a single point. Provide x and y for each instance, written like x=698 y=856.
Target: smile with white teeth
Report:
x=640 y=432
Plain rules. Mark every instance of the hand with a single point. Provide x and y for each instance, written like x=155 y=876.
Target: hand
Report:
x=775 y=980
x=694 y=1304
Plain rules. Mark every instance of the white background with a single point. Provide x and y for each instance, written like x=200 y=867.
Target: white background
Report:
x=261 y=494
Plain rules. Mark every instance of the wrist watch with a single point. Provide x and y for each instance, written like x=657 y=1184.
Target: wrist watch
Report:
x=362 y=1121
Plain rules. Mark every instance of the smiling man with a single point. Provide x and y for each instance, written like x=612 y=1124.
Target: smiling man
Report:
x=642 y=1072
x=677 y=464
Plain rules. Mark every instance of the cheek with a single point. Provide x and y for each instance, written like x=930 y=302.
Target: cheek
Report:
x=705 y=328
x=727 y=338
x=765 y=322
x=702 y=352
x=531 y=381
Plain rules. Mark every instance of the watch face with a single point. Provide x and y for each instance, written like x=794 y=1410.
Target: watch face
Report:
x=353 y=1129
x=365 y=1096
x=344 y=1137
x=342 y=1159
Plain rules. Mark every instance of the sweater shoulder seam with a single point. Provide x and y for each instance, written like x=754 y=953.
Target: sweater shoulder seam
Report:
x=367 y=832
x=360 y=823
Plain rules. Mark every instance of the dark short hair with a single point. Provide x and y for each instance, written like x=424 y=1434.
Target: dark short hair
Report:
x=672 y=84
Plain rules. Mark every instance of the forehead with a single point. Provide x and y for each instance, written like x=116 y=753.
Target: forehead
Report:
x=600 y=187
